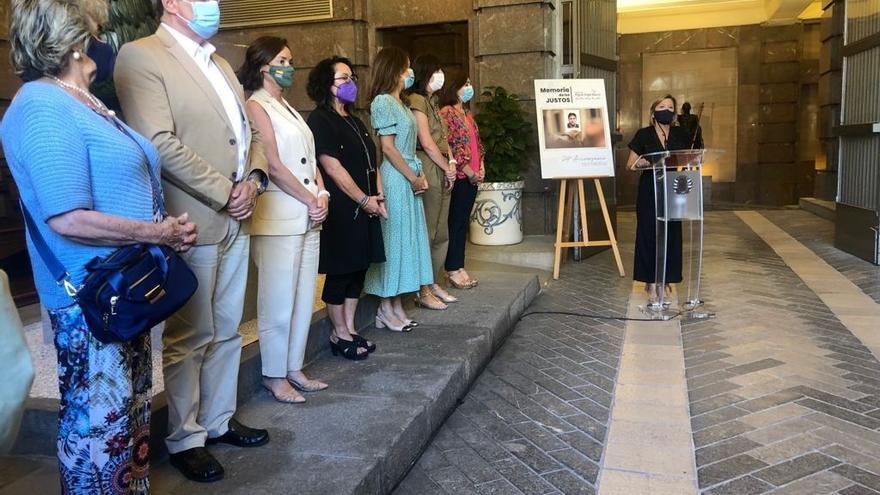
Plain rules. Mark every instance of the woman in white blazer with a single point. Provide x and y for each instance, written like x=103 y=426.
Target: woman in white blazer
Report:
x=285 y=228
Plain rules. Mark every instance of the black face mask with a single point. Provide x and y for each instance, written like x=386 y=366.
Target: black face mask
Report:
x=664 y=116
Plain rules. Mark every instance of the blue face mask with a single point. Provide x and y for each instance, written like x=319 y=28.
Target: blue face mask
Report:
x=410 y=79
x=206 y=18
x=467 y=94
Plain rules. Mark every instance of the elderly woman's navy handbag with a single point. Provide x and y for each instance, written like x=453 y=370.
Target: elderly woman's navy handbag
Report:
x=132 y=289
x=127 y=292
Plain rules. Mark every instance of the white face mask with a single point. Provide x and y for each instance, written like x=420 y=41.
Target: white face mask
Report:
x=437 y=80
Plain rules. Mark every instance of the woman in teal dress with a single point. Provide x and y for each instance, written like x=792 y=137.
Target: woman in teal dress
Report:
x=407 y=251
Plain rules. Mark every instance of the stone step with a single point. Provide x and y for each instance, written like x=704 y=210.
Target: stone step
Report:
x=364 y=433
x=819 y=207
x=39 y=425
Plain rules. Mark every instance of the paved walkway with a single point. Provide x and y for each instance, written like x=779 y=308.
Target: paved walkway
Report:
x=779 y=394
x=776 y=395
x=535 y=421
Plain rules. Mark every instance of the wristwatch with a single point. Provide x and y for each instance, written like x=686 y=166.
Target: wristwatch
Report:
x=259 y=178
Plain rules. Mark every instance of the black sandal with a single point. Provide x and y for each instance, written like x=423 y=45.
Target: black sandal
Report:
x=362 y=342
x=348 y=349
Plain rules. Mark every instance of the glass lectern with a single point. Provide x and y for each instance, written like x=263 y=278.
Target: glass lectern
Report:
x=678 y=199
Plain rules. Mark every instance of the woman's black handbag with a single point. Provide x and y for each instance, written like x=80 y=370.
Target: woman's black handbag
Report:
x=127 y=292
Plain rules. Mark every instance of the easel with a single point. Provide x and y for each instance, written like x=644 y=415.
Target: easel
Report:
x=563 y=219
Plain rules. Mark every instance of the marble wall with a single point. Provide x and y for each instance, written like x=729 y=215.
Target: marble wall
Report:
x=506 y=42
x=777 y=89
x=830 y=92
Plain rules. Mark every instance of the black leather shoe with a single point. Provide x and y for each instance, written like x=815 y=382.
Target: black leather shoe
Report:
x=242 y=436
x=197 y=464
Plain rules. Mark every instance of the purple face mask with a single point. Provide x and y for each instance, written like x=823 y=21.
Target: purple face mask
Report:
x=347 y=92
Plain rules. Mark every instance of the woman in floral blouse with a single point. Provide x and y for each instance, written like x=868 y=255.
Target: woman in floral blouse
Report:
x=467 y=150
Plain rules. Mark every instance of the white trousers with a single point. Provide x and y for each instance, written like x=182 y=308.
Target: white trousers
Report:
x=202 y=346
x=288 y=268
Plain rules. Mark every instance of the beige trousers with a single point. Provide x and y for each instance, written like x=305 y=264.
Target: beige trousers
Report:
x=202 y=346
x=288 y=267
x=436 y=201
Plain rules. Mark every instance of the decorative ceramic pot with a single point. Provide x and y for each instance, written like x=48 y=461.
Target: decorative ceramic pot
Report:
x=496 y=219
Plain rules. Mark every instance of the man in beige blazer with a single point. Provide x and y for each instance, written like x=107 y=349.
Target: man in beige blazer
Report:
x=176 y=91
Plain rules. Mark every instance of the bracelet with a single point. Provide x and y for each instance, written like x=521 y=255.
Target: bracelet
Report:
x=324 y=193
x=363 y=202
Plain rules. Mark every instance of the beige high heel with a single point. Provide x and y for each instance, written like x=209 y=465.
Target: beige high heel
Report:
x=651 y=292
x=293 y=398
x=383 y=322
x=472 y=281
x=441 y=294
x=308 y=385
x=468 y=284
x=426 y=299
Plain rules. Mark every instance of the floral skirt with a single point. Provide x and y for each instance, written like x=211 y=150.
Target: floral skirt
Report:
x=104 y=422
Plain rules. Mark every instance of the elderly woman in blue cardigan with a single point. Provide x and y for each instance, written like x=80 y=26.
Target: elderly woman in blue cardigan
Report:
x=88 y=181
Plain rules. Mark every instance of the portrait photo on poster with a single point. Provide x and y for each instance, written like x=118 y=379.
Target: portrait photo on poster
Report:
x=574 y=128
x=573 y=120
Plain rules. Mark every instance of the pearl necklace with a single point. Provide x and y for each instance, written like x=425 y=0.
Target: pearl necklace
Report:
x=97 y=105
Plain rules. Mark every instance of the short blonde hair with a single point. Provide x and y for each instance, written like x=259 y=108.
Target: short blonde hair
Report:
x=43 y=34
x=97 y=10
x=660 y=100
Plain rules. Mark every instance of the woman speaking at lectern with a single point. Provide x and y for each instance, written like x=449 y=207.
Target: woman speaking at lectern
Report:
x=661 y=135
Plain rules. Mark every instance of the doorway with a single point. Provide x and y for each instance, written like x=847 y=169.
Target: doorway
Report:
x=447 y=41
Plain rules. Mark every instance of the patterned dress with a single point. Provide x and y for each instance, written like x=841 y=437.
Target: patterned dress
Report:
x=405 y=234
x=104 y=422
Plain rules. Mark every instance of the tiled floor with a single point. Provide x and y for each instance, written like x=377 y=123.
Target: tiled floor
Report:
x=650 y=408
x=536 y=420
x=775 y=395
x=781 y=396
x=818 y=235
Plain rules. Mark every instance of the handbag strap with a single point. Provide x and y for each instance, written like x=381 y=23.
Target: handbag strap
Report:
x=59 y=273
x=155 y=185
x=56 y=269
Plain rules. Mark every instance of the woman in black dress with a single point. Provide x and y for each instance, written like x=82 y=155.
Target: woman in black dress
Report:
x=351 y=237
x=661 y=135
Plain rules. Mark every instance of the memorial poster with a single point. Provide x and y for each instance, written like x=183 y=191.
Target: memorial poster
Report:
x=573 y=130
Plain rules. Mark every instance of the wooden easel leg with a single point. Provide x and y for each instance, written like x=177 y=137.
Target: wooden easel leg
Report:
x=557 y=259
x=611 y=235
x=583 y=209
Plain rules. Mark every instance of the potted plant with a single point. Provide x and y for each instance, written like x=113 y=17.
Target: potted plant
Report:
x=496 y=219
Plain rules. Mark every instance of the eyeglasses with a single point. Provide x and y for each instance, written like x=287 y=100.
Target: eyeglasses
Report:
x=347 y=78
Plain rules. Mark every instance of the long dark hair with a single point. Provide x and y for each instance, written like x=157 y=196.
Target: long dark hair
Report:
x=424 y=66
x=262 y=51
x=389 y=64
x=448 y=95
x=321 y=77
